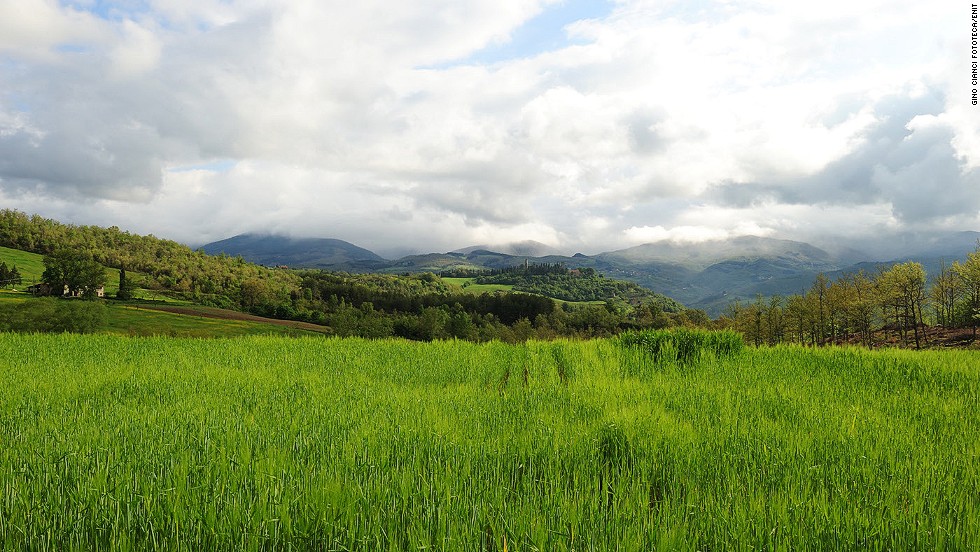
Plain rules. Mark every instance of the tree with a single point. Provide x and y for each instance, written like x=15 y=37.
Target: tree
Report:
x=460 y=324
x=798 y=317
x=818 y=305
x=969 y=273
x=775 y=320
x=8 y=276
x=860 y=305
x=945 y=293
x=125 y=288
x=902 y=290
x=76 y=272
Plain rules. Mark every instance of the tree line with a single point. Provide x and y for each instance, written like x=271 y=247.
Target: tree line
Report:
x=425 y=307
x=893 y=305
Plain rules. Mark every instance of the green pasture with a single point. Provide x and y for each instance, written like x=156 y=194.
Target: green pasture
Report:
x=135 y=318
x=468 y=285
x=261 y=443
x=29 y=265
x=8 y=296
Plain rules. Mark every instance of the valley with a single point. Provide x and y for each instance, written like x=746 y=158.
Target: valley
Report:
x=706 y=276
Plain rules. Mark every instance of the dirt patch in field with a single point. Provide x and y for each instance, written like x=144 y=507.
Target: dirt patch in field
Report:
x=223 y=314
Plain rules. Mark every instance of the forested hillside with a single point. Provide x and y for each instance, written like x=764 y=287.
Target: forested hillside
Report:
x=582 y=285
x=167 y=265
x=421 y=306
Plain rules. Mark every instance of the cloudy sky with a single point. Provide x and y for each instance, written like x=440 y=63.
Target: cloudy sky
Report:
x=429 y=125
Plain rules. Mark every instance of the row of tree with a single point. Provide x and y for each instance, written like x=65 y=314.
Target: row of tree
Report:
x=894 y=304
x=424 y=307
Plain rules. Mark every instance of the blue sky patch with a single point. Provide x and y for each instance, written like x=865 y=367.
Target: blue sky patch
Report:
x=543 y=33
x=110 y=10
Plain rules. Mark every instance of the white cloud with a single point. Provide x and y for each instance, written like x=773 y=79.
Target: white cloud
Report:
x=664 y=120
x=31 y=30
x=680 y=234
x=137 y=53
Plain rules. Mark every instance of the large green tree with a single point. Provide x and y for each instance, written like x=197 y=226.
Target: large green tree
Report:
x=80 y=273
x=902 y=291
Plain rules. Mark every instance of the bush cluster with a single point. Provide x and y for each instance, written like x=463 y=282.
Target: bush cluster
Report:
x=51 y=315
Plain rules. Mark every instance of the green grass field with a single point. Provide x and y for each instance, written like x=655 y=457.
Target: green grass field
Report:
x=29 y=265
x=259 y=443
x=136 y=318
x=467 y=285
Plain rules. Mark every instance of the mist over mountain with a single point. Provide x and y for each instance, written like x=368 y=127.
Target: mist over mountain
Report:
x=702 y=255
x=903 y=245
x=529 y=248
x=708 y=275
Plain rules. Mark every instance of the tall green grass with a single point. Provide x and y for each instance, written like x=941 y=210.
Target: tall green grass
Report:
x=685 y=346
x=267 y=443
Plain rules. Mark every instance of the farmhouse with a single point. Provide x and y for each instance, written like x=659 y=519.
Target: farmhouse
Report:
x=46 y=290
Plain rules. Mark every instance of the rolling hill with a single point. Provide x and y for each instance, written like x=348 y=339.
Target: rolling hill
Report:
x=271 y=250
x=707 y=275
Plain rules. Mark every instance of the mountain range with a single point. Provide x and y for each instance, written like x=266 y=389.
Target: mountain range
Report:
x=707 y=275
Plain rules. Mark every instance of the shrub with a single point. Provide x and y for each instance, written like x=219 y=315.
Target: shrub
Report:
x=50 y=315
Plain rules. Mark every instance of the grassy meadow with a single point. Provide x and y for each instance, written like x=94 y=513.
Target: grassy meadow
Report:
x=30 y=265
x=139 y=318
x=258 y=443
x=470 y=286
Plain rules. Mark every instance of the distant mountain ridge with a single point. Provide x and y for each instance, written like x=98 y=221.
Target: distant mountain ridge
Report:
x=707 y=275
x=272 y=250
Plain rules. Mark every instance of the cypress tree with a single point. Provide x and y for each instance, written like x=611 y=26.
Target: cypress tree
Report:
x=125 y=292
